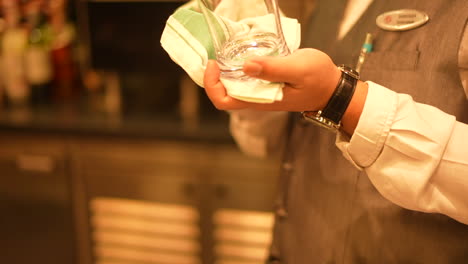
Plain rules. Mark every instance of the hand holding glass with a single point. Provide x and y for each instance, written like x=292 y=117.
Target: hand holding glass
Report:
x=261 y=35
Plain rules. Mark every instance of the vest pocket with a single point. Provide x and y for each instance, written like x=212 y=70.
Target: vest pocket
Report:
x=391 y=60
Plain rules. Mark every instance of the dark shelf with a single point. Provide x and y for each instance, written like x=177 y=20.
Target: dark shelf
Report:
x=73 y=121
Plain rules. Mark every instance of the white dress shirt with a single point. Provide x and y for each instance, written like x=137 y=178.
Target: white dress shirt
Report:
x=414 y=154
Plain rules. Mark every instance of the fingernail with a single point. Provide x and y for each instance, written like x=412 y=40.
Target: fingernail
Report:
x=252 y=68
x=210 y=63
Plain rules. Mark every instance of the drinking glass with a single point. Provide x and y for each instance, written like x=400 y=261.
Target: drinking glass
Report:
x=257 y=33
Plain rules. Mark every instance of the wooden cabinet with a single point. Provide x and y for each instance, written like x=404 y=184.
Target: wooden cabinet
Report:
x=127 y=200
x=143 y=200
x=36 y=222
x=183 y=188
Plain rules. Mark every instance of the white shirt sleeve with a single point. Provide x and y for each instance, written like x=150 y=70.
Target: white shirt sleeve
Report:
x=258 y=133
x=414 y=154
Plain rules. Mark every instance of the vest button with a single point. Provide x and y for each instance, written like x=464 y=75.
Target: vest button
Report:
x=273 y=260
x=281 y=212
x=287 y=166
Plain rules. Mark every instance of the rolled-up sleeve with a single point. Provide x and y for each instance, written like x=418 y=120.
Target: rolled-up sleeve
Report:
x=258 y=133
x=414 y=154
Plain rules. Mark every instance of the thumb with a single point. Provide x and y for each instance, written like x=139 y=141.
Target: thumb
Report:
x=211 y=75
x=274 y=69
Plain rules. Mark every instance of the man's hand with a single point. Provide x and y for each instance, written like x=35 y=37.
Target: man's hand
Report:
x=310 y=78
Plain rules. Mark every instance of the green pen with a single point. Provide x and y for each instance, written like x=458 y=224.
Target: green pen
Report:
x=366 y=48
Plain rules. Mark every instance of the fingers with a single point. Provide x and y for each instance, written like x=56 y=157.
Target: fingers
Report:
x=216 y=91
x=310 y=77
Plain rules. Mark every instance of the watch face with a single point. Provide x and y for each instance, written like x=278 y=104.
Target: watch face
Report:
x=315 y=118
x=349 y=71
x=325 y=125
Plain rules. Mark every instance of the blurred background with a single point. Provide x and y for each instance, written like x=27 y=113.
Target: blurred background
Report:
x=109 y=153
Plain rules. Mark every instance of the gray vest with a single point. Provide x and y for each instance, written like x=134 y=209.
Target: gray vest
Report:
x=329 y=212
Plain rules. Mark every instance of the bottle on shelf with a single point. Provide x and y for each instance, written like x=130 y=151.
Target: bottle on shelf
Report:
x=13 y=47
x=2 y=81
x=38 y=63
x=65 y=80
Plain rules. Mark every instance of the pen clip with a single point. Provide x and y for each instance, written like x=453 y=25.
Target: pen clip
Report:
x=366 y=48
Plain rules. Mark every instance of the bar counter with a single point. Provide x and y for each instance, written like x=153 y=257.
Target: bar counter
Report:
x=77 y=122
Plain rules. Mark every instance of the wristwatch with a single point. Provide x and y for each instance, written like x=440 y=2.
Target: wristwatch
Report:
x=330 y=116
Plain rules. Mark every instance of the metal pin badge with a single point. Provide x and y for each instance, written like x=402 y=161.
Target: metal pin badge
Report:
x=401 y=20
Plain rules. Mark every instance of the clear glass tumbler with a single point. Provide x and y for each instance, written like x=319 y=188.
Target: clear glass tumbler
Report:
x=258 y=33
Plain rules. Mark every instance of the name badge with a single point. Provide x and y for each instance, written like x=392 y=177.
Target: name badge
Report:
x=401 y=20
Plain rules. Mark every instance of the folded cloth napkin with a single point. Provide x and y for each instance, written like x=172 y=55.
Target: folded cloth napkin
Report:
x=187 y=40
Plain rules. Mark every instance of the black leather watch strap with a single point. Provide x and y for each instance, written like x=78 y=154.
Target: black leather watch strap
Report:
x=338 y=103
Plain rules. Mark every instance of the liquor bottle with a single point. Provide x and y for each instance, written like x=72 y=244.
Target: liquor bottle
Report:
x=38 y=65
x=2 y=77
x=12 y=48
x=63 y=34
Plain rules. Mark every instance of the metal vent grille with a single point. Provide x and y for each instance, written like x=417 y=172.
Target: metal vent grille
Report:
x=133 y=231
x=242 y=237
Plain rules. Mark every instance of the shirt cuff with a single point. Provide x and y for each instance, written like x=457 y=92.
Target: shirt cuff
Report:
x=372 y=129
x=258 y=133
